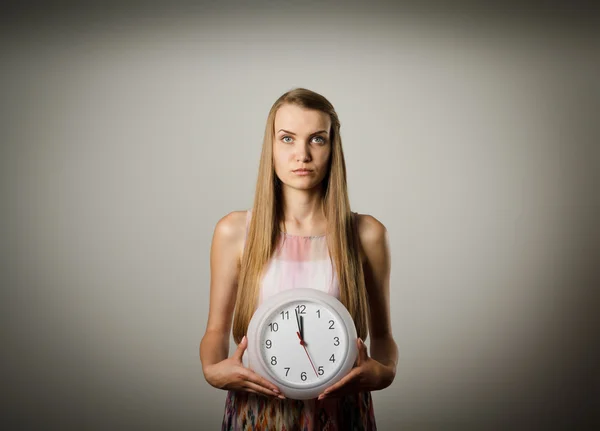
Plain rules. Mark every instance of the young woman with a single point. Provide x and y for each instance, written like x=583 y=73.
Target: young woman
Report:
x=301 y=214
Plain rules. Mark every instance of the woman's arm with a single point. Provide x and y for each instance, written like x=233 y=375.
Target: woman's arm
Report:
x=377 y=266
x=225 y=255
x=377 y=371
x=225 y=258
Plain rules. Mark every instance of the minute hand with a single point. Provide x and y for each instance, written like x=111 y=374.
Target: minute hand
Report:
x=307 y=354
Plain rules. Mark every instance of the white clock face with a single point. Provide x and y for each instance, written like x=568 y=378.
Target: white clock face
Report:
x=303 y=343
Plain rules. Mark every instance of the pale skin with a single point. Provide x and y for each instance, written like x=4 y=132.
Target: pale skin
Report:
x=301 y=141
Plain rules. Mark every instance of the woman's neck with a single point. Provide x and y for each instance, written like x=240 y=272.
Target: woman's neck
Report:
x=303 y=210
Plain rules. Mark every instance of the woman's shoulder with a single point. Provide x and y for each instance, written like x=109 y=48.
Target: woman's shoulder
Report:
x=371 y=232
x=232 y=223
x=369 y=225
x=231 y=229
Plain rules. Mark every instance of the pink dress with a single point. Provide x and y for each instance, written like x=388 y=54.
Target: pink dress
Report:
x=299 y=261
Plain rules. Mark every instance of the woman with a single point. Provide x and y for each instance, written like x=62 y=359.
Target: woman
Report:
x=301 y=213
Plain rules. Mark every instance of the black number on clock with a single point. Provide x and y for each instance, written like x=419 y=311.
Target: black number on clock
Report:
x=332 y=359
x=303 y=376
x=321 y=372
x=269 y=344
x=331 y=322
x=336 y=341
x=319 y=313
x=274 y=327
x=273 y=360
x=301 y=309
x=287 y=370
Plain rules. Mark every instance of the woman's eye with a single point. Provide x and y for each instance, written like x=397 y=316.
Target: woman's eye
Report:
x=319 y=139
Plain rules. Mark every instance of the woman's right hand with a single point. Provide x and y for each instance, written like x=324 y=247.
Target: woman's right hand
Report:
x=230 y=374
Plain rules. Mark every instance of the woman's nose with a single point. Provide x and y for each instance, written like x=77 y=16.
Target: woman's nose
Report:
x=302 y=153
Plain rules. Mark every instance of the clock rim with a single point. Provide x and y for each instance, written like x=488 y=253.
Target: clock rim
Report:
x=275 y=377
x=254 y=361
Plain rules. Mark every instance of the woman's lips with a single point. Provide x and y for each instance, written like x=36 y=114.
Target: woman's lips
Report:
x=302 y=172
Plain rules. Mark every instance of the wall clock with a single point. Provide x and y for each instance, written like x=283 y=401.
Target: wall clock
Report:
x=302 y=340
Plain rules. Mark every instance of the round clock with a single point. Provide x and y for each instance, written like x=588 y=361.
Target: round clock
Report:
x=302 y=340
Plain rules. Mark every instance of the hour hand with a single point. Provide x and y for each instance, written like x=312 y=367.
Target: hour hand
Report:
x=299 y=322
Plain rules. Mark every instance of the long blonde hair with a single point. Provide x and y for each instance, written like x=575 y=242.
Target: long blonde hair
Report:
x=267 y=215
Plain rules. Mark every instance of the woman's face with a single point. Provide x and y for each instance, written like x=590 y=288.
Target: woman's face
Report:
x=301 y=142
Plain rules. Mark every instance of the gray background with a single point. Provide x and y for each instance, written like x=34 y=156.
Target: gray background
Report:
x=128 y=131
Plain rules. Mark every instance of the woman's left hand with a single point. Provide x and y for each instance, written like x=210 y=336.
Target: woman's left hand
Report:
x=368 y=375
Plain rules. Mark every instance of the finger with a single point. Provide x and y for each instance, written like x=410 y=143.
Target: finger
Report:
x=344 y=385
x=363 y=355
x=261 y=381
x=240 y=349
x=261 y=390
x=344 y=381
x=251 y=391
x=350 y=387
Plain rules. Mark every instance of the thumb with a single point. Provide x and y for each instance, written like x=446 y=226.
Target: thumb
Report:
x=241 y=347
x=363 y=355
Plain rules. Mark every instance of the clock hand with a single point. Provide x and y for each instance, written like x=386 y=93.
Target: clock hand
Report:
x=299 y=324
x=300 y=333
x=307 y=354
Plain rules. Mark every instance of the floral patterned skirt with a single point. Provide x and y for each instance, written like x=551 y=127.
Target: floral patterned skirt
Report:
x=248 y=411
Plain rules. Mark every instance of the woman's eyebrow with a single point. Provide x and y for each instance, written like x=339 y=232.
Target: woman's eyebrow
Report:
x=292 y=133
